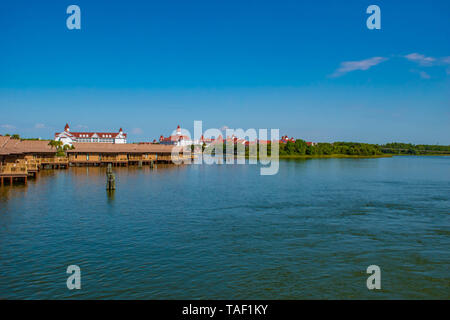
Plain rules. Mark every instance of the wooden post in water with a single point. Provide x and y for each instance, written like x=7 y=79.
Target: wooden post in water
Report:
x=110 y=178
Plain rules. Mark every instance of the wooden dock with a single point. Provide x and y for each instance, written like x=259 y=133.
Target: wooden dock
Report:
x=20 y=159
x=13 y=172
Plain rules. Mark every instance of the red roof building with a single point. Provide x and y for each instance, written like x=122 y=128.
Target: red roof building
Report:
x=68 y=137
x=177 y=139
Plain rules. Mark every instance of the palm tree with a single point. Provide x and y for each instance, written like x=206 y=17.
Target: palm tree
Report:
x=56 y=144
x=60 y=147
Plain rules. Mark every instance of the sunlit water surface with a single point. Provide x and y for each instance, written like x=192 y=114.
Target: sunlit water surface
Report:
x=225 y=231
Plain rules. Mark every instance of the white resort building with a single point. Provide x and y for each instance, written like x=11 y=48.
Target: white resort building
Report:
x=67 y=137
x=177 y=139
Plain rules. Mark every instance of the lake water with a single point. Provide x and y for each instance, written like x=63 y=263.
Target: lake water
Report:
x=225 y=232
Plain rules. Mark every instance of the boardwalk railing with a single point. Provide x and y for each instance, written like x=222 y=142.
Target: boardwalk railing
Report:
x=13 y=169
x=53 y=160
x=120 y=158
x=179 y=157
x=31 y=164
x=164 y=157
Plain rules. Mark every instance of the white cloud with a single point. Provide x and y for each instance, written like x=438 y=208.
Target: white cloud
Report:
x=425 y=61
x=39 y=126
x=421 y=59
x=137 y=131
x=349 y=66
x=421 y=73
x=7 y=126
x=81 y=126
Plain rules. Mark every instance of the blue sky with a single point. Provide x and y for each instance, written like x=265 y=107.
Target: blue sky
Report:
x=310 y=68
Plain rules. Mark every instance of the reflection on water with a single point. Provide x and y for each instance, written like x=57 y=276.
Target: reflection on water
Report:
x=224 y=231
x=111 y=195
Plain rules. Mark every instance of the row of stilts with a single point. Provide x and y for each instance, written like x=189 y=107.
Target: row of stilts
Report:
x=10 y=179
x=110 y=177
x=152 y=164
x=23 y=178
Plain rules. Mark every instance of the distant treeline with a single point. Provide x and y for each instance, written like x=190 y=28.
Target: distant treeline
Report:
x=408 y=148
x=299 y=147
x=16 y=136
x=13 y=136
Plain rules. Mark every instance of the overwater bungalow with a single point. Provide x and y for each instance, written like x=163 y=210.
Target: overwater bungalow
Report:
x=22 y=158
x=119 y=154
x=36 y=152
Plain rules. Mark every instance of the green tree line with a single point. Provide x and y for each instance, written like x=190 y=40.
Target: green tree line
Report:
x=300 y=147
x=408 y=148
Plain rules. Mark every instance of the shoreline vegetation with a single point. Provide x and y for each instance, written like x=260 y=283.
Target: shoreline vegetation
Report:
x=300 y=149
x=329 y=156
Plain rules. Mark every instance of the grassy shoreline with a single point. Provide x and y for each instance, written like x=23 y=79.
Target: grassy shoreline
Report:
x=422 y=155
x=332 y=156
x=329 y=156
x=345 y=156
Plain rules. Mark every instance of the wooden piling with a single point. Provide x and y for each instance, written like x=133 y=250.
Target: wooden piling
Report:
x=110 y=178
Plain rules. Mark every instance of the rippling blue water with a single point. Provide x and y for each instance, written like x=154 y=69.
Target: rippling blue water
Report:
x=199 y=232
